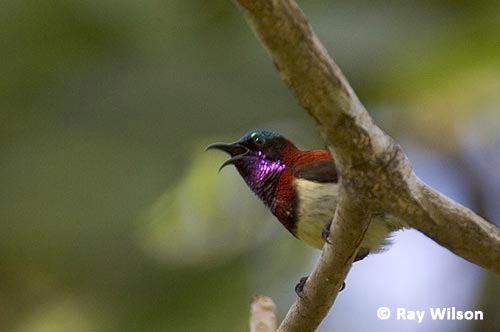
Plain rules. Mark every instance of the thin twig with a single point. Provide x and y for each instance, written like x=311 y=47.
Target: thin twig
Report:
x=262 y=314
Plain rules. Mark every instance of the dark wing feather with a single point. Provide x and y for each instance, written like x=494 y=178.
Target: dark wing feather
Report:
x=319 y=171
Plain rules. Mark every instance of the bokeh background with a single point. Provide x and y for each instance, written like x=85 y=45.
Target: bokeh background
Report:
x=112 y=216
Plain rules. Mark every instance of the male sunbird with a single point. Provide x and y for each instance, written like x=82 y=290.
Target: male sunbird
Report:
x=300 y=187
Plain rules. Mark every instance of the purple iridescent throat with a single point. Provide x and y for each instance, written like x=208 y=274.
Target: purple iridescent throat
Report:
x=261 y=175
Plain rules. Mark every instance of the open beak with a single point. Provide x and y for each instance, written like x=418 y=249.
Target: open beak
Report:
x=236 y=150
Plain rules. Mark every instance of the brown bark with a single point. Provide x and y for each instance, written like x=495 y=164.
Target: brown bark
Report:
x=375 y=173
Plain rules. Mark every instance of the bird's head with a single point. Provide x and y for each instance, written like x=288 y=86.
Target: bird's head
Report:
x=260 y=149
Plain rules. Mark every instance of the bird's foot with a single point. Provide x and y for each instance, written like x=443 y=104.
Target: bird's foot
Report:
x=325 y=233
x=299 y=288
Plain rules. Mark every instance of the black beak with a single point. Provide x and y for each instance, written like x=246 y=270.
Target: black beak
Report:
x=232 y=148
x=236 y=150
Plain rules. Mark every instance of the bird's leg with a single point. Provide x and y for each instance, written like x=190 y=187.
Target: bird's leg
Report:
x=299 y=288
x=325 y=233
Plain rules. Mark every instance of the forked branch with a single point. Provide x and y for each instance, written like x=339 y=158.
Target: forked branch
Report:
x=375 y=173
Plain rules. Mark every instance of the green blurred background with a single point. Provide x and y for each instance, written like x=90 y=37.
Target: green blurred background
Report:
x=113 y=218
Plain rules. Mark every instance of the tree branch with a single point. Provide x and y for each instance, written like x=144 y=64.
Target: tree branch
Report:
x=375 y=173
x=369 y=160
x=349 y=225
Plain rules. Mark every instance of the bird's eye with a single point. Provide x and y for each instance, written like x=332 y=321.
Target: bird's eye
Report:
x=259 y=140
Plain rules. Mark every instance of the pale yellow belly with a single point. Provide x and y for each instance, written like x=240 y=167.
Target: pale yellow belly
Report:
x=317 y=203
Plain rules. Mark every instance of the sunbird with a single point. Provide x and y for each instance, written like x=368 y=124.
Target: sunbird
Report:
x=300 y=188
